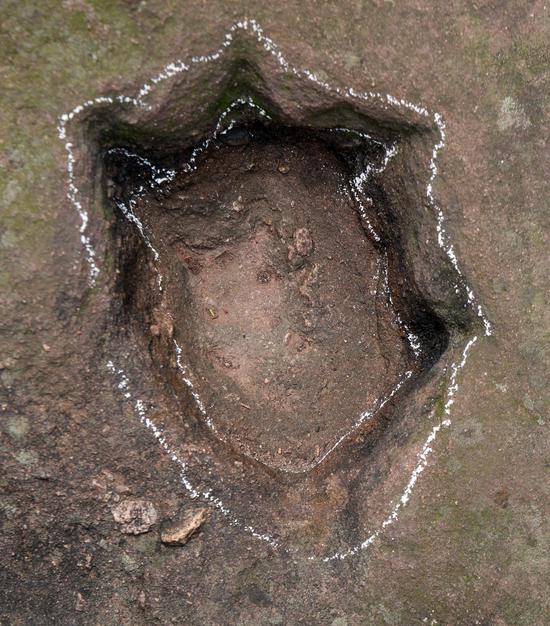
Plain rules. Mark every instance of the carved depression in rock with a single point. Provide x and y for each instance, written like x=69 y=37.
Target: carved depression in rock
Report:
x=277 y=290
x=277 y=294
x=273 y=284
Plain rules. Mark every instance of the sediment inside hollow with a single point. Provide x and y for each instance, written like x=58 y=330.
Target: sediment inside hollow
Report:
x=277 y=294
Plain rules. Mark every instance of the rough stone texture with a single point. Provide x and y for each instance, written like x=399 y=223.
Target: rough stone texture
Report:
x=472 y=546
x=135 y=516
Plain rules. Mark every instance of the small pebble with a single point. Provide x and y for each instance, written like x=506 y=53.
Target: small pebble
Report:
x=178 y=532
x=135 y=516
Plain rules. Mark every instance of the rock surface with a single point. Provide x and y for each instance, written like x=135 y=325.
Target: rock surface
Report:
x=472 y=544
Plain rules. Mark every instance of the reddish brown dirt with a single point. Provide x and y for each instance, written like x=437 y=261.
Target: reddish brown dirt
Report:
x=277 y=297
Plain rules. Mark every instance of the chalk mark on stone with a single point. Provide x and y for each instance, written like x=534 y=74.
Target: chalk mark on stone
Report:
x=443 y=239
x=123 y=385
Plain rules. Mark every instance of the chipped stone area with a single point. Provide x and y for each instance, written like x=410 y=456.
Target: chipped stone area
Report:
x=178 y=532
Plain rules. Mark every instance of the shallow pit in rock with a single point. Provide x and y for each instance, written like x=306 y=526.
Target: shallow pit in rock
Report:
x=264 y=273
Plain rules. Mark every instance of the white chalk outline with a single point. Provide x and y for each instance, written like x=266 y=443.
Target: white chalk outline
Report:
x=386 y=100
x=123 y=385
x=178 y=67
